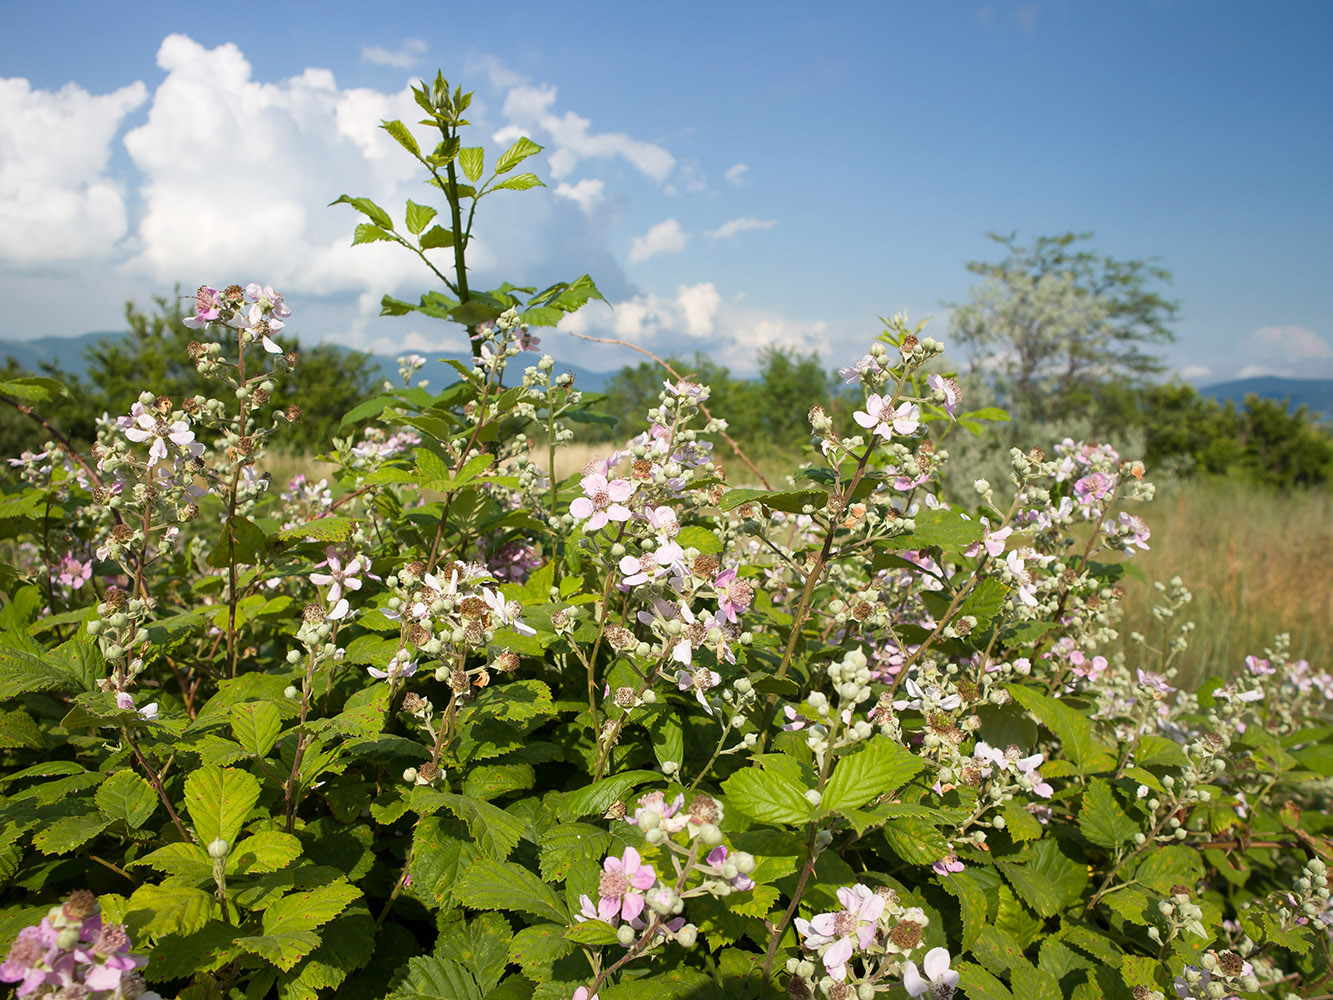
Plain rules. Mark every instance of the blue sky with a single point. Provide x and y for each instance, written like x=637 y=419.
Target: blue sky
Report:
x=732 y=175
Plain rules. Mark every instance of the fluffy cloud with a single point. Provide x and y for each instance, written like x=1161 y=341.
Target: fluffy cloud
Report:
x=1193 y=372
x=587 y=193
x=1291 y=343
x=407 y=56
x=665 y=237
x=227 y=167
x=734 y=334
x=733 y=226
x=570 y=137
x=737 y=172
x=57 y=202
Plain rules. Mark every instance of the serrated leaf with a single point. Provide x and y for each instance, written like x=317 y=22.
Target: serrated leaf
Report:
x=1101 y=819
x=219 y=801
x=283 y=950
x=570 y=844
x=404 y=136
x=435 y=237
x=328 y=530
x=266 y=851
x=791 y=501
x=187 y=860
x=593 y=932
x=698 y=537
x=978 y=984
x=1049 y=881
x=127 y=798
x=938 y=527
x=472 y=160
x=539 y=945
x=1088 y=753
x=22 y=672
x=767 y=797
x=1171 y=865
x=431 y=978
x=418 y=216
x=967 y=888
x=985 y=601
x=490 y=781
x=516 y=154
x=597 y=797
x=519 y=182
x=309 y=909
x=915 y=840
x=367 y=232
x=62 y=835
x=367 y=208
x=1020 y=823
x=880 y=767
x=499 y=885
x=155 y=910
x=495 y=831
x=256 y=725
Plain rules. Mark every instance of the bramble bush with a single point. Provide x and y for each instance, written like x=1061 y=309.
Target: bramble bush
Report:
x=441 y=728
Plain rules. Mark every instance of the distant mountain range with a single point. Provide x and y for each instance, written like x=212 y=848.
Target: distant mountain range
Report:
x=1314 y=393
x=68 y=352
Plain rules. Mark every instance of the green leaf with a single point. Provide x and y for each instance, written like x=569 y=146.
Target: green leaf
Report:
x=33 y=389
x=328 y=530
x=791 y=501
x=436 y=236
x=1164 y=867
x=1049 y=881
x=490 y=781
x=878 y=769
x=1151 y=750
x=263 y=852
x=418 y=217
x=495 y=831
x=404 y=136
x=499 y=885
x=967 y=887
x=1089 y=754
x=155 y=910
x=519 y=182
x=431 y=978
x=597 y=797
x=23 y=672
x=978 y=984
x=593 y=932
x=218 y=801
x=767 y=797
x=250 y=540
x=539 y=945
x=698 y=537
x=480 y=944
x=472 y=160
x=985 y=601
x=186 y=860
x=256 y=725
x=367 y=208
x=127 y=798
x=946 y=529
x=283 y=950
x=1101 y=819
x=915 y=840
x=309 y=909
x=60 y=836
x=368 y=233
x=569 y=845
x=516 y=154
x=1020 y=823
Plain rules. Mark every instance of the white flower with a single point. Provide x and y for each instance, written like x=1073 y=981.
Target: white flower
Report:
x=942 y=979
x=887 y=421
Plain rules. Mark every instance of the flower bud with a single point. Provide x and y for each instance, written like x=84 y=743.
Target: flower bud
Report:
x=218 y=849
x=625 y=935
x=687 y=936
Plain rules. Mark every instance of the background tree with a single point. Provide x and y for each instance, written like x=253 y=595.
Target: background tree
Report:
x=1054 y=321
x=327 y=382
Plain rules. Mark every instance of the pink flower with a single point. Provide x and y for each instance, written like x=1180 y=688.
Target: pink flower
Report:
x=886 y=420
x=718 y=857
x=602 y=501
x=1258 y=667
x=856 y=372
x=991 y=541
x=73 y=573
x=1154 y=682
x=397 y=670
x=582 y=994
x=733 y=596
x=145 y=427
x=846 y=931
x=656 y=802
x=622 y=885
x=206 y=303
x=943 y=980
x=953 y=395
x=948 y=865
x=339 y=576
x=1137 y=531
x=125 y=702
x=1093 y=487
x=699 y=680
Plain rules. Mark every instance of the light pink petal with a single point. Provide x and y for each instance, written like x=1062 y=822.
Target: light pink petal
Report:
x=597 y=522
x=619 y=490
x=320 y=579
x=607 y=910
x=835 y=959
x=936 y=964
x=136 y=435
x=581 y=507
x=616 y=512
x=864 y=419
x=632 y=906
x=912 y=981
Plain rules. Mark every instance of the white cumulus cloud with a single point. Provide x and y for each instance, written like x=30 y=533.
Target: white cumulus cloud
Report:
x=1293 y=343
x=530 y=111
x=1193 y=372
x=665 y=237
x=587 y=193
x=736 y=173
x=405 y=57
x=57 y=202
x=237 y=176
x=733 y=226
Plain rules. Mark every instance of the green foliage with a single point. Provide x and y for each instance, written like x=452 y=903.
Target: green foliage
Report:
x=442 y=727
